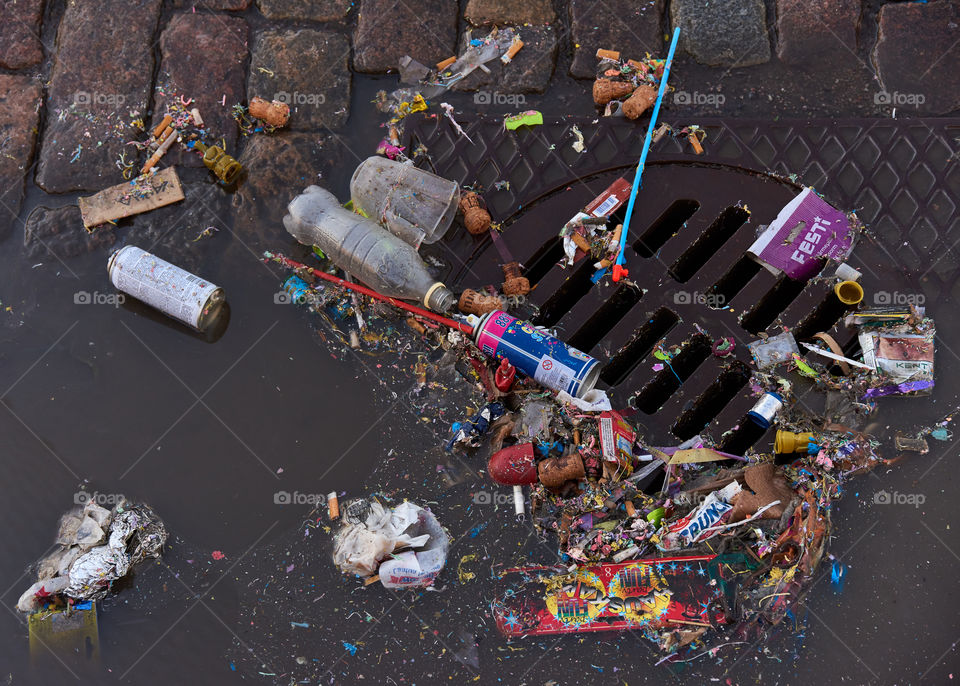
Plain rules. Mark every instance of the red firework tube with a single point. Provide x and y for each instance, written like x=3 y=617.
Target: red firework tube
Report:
x=446 y=321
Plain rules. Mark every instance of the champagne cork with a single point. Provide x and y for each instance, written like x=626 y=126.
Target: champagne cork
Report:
x=605 y=90
x=473 y=302
x=638 y=103
x=514 y=282
x=273 y=113
x=475 y=216
x=554 y=472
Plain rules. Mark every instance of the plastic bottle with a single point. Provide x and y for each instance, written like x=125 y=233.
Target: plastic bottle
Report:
x=365 y=249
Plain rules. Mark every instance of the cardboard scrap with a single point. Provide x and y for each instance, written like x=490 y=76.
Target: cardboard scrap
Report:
x=146 y=192
x=696 y=455
x=806 y=231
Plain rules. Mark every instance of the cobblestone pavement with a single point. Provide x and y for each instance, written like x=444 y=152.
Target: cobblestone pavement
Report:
x=81 y=67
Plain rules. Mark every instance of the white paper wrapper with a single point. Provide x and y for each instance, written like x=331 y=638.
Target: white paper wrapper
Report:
x=371 y=533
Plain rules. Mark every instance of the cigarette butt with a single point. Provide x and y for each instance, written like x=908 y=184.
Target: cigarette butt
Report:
x=576 y=436
x=166 y=134
x=371 y=580
x=162 y=126
x=660 y=132
x=607 y=54
x=415 y=325
x=155 y=157
x=695 y=142
x=631 y=510
x=615 y=236
x=640 y=66
x=512 y=51
x=518 y=501
x=446 y=63
x=394 y=135
x=604 y=264
x=581 y=242
x=333 y=505
x=197 y=119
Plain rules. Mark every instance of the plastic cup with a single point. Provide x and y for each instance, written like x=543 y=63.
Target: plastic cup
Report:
x=411 y=203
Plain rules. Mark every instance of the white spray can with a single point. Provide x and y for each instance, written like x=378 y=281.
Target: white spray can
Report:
x=172 y=290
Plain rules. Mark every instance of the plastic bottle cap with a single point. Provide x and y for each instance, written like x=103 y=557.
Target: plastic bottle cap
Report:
x=849 y=292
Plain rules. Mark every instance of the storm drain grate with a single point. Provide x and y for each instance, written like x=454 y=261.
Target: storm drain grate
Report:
x=692 y=224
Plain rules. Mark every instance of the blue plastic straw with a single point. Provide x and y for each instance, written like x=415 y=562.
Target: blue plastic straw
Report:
x=646 y=149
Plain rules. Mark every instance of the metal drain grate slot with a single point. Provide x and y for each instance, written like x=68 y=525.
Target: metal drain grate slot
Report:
x=709 y=242
x=567 y=295
x=668 y=381
x=852 y=347
x=732 y=282
x=622 y=364
x=604 y=319
x=664 y=226
x=747 y=433
x=769 y=307
x=712 y=401
x=543 y=260
x=822 y=318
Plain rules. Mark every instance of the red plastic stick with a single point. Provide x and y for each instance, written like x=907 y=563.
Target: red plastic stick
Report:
x=419 y=311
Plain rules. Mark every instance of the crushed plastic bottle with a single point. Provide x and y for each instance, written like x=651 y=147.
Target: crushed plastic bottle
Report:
x=365 y=249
